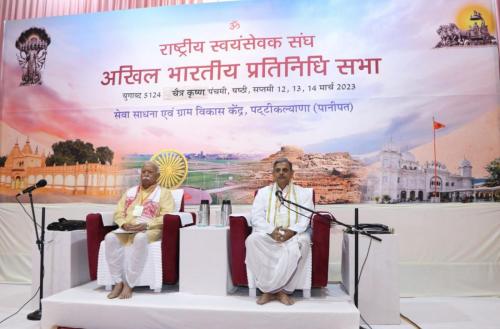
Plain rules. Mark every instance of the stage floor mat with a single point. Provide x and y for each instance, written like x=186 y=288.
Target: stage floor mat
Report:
x=86 y=306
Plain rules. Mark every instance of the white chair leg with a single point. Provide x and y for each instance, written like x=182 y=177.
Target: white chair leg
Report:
x=107 y=287
x=157 y=290
x=306 y=293
x=252 y=292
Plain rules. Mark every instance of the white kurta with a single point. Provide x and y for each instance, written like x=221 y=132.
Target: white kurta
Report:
x=279 y=265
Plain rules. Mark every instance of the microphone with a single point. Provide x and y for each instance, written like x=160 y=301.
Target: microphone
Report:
x=279 y=195
x=40 y=183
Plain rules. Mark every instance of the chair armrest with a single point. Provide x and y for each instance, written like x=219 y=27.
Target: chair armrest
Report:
x=187 y=218
x=238 y=232
x=95 y=234
x=320 y=239
x=245 y=215
x=170 y=246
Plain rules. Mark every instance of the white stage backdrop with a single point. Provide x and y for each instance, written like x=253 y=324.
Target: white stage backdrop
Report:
x=445 y=249
x=17 y=236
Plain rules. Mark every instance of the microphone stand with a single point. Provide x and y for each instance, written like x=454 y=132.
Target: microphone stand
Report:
x=40 y=242
x=332 y=218
x=353 y=228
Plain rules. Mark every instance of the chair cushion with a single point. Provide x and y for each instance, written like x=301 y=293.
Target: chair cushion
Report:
x=177 y=195
x=107 y=218
x=185 y=217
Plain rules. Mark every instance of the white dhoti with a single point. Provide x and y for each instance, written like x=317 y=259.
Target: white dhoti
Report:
x=276 y=265
x=130 y=270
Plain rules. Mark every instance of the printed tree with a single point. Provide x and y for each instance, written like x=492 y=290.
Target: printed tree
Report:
x=493 y=168
x=71 y=152
x=104 y=154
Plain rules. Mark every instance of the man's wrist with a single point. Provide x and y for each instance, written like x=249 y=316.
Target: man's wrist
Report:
x=290 y=234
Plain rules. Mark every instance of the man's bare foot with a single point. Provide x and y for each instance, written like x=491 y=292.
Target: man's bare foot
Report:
x=126 y=292
x=117 y=289
x=265 y=298
x=284 y=298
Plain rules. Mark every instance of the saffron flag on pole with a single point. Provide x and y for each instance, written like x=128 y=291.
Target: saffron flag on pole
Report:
x=438 y=125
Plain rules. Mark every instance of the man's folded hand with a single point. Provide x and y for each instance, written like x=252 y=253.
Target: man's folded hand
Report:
x=289 y=234
x=134 y=227
x=281 y=234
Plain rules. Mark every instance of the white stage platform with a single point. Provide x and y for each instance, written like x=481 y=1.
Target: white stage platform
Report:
x=86 y=306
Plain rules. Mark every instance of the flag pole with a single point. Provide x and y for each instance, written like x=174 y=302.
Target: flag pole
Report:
x=435 y=163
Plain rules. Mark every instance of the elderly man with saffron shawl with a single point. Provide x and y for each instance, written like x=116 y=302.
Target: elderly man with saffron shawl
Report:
x=140 y=214
x=279 y=244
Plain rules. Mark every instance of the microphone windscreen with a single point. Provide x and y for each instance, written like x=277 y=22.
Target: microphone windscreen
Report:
x=41 y=183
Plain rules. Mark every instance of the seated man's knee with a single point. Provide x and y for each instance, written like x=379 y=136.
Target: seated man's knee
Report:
x=251 y=239
x=304 y=240
x=141 y=237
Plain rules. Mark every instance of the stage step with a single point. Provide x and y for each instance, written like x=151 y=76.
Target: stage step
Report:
x=87 y=307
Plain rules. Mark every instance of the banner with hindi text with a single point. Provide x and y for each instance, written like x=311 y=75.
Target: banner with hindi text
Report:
x=346 y=90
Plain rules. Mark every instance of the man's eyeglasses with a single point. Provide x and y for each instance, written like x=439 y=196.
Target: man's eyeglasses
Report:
x=283 y=170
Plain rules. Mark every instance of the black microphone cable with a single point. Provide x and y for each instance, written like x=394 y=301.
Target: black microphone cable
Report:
x=359 y=278
x=29 y=216
x=19 y=309
x=364 y=261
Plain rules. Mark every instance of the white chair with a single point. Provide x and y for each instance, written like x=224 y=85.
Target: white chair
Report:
x=152 y=274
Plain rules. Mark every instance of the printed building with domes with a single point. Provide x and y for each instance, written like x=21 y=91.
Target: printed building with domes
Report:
x=24 y=167
x=402 y=178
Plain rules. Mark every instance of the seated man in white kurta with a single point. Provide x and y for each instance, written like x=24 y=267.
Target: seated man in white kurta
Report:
x=279 y=244
x=140 y=211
